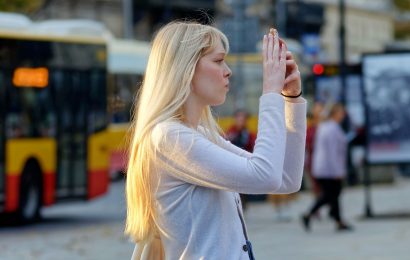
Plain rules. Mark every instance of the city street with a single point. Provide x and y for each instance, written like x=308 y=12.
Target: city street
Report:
x=94 y=230
x=87 y=85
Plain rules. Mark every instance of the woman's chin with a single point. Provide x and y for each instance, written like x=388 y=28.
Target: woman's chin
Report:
x=219 y=102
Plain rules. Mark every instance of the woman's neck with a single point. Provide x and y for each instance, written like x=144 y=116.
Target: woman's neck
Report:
x=192 y=113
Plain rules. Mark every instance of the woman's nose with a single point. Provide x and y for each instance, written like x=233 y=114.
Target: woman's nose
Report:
x=228 y=71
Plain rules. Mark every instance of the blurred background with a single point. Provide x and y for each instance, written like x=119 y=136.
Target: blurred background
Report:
x=69 y=72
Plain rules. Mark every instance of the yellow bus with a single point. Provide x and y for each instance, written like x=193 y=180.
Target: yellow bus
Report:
x=53 y=116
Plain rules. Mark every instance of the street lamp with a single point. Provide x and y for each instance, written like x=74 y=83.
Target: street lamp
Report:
x=342 y=53
x=127 y=10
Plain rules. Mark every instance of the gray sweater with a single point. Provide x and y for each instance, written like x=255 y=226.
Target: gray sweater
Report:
x=329 y=155
x=199 y=181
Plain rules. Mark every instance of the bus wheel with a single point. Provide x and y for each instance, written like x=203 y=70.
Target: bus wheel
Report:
x=30 y=195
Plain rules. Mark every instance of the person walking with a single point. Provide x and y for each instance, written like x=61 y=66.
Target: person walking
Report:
x=183 y=177
x=329 y=166
x=316 y=116
x=239 y=135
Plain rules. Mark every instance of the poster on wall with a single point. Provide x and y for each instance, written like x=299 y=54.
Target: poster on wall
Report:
x=386 y=81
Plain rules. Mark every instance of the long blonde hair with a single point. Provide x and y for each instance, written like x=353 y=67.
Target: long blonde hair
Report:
x=176 y=49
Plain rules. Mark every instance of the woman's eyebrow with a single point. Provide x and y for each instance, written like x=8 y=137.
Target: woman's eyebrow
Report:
x=220 y=53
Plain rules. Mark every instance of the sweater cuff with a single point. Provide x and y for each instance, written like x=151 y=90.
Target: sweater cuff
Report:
x=295 y=100
x=295 y=114
x=271 y=100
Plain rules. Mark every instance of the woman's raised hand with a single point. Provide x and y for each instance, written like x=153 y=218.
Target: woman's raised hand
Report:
x=274 y=63
x=293 y=86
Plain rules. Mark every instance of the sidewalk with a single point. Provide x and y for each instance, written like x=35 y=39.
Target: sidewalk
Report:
x=281 y=236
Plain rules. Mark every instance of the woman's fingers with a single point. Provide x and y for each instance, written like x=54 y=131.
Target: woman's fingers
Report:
x=293 y=76
x=290 y=62
x=282 y=42
x=289 y=55
x=274 y=63
x=276 y=48
x=283 y=55
x=270 y=47
x=291 y=67
x=265 y=48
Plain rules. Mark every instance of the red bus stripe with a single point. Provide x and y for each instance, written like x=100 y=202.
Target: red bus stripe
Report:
x=12 y=192
x=97 y=183
x=49 y=188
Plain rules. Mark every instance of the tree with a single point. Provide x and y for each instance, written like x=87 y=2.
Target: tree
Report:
x=403 y=5
x=21 y=6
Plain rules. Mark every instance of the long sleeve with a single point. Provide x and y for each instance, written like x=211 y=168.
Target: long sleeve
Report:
x=295 y=115
x=295 y=147
x=189 y=156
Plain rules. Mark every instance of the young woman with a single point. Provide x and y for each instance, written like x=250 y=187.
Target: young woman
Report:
x=183 y=178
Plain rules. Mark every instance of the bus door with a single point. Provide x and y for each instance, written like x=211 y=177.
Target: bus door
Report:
x=71 y=91
x=2 y=136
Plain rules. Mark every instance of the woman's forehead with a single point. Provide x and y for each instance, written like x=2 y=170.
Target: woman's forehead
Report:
x=218 y=49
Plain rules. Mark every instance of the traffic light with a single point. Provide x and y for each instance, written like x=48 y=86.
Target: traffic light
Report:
x=318 y=69
x=328 y=70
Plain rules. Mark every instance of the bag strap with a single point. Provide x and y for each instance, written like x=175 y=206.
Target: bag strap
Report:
x=242 y=222
x=245 y=233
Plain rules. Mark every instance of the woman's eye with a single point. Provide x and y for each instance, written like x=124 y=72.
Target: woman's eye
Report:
x=219 y=61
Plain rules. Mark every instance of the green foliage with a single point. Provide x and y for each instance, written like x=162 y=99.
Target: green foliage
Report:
x=21 y=6
x=403 y=5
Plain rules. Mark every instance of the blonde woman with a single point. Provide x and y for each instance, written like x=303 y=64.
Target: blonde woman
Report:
x=183 y=178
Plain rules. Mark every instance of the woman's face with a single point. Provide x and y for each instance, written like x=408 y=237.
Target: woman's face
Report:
x=211 y=78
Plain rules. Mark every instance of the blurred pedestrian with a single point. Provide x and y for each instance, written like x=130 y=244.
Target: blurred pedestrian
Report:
x=239 y=135
x=329 y=166
x=183 y=178
x=315 y=116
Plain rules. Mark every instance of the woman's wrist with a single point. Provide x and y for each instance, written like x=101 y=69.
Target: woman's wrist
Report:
x=267 y=91
x=294 y=100
x=292 y=95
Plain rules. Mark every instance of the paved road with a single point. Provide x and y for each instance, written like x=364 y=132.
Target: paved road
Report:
x=94 y=230
x=281 y=236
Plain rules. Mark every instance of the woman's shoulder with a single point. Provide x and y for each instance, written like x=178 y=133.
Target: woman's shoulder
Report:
x=171 y=126
x=170 y=131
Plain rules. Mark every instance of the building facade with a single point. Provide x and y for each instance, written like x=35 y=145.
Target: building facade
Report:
x=369 y=27
x=147 y=15
x=362 y=17
x=366 y=31
x=108 y=12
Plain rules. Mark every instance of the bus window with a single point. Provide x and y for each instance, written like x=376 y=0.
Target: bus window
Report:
x=97 y=113
x=31 y=113
x=127 y=60
x=78 y=142
x=71 y=92
x=125 y=87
